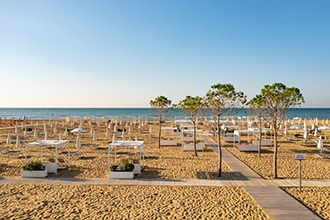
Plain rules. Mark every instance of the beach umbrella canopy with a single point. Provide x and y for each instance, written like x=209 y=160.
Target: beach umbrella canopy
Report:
x=78 y=130
x=18 y=142
x=8 y=139
x=78 y=145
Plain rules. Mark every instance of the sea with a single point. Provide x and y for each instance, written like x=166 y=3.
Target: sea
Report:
x=62 y=113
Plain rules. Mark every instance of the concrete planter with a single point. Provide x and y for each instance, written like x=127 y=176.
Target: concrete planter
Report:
x=34 y=173
x=50 y=167
x=121 y=174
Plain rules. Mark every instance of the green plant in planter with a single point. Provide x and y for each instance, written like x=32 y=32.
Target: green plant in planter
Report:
x=113 y=167
x=129 y=167
x=34 y=165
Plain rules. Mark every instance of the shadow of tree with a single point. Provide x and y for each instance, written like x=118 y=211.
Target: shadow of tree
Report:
x=214 y=176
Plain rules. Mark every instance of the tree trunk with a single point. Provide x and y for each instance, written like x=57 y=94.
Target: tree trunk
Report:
x=275 y=153
x=195 y=138
x=159 y=132
x=220 y=152
x=260 y=137
x=219 y=145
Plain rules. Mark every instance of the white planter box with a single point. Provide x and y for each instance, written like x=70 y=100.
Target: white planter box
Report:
x=248 y=147
x=50 y=167
x=187 y=139
x=121 y=174
x=231 y=139
x=137 y=169
x=168 y=142
x=265 y=142
x=34 y=173
x=199 y=147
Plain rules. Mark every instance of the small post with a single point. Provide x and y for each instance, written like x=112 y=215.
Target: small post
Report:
x=300 y=157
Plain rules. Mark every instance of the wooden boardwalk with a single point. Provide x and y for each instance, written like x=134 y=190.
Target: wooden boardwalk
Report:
x=278 y=204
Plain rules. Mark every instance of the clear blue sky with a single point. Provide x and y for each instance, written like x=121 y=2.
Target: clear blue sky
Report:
x=123 y=53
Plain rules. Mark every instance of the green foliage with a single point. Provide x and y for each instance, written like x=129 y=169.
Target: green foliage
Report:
x=129 y=167
x=34 y=165
x=113 y=167
x=123 y=165
x=161 y=106
x=222 y=97
x=160 y=102
x=278 y=96
x=191 y=105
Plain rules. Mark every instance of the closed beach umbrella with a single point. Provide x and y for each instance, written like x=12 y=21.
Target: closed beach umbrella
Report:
x=46 y=135
x=18 y=142
x=94 y=136
x=286 y=130
x=114 y=138
x=78 y=145
x=35 y=134
x=129 y=130
x=316 y=132
x=8 y=139
x=66 y=132
x=150 y=129
x=313 y=126
x=54 y=131
x=107 y=134
x=25 y=132
x=320 y=143
x=123 y=134
x=16 y=128
x=92 y=130
x=115 y=128
x=60 y=136
x=305 y=133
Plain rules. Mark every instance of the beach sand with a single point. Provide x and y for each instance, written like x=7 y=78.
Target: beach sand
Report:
x=127 y=202
x=169 y=162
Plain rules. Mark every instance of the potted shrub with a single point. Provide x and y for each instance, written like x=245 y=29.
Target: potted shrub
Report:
x=123 y=170
x=34 y=169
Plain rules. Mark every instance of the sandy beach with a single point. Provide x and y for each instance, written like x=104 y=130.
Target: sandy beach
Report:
x=168 y=162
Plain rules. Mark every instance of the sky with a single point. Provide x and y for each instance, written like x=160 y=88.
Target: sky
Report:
x=124 y=53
